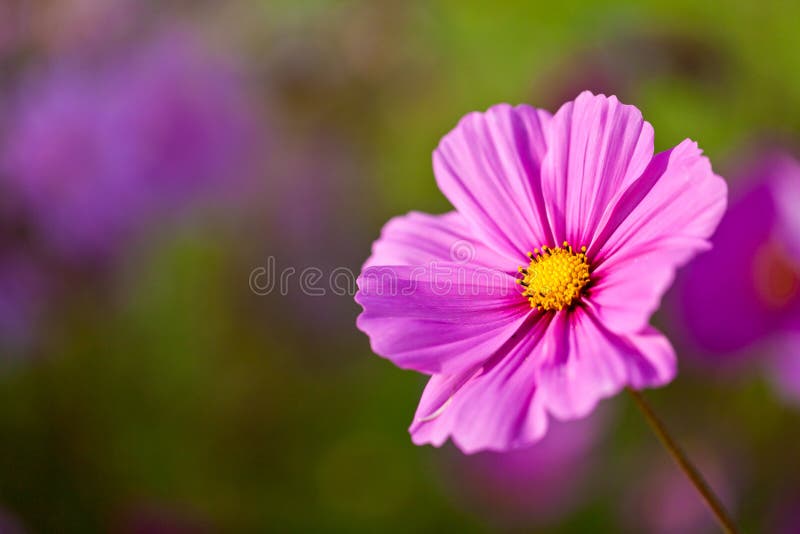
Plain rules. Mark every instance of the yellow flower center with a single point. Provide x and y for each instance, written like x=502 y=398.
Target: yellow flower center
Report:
x=555 y=277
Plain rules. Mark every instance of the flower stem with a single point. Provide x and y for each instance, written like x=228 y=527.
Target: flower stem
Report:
x=686 y=466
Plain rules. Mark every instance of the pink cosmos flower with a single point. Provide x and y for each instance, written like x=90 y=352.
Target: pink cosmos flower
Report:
x=532 y=299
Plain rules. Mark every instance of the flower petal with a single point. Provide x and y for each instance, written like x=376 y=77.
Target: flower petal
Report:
x=489 y=168
x=596 y=146
x=675 y=205
x=491 y=407
x=627 y=294
x=583 y=362
x=563 y=366
x=655 y=226
x=419 y=239
x=438 y=318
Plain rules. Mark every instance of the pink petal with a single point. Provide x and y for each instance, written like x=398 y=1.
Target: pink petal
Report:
x=583 y=362
x=491 y=407
x=595 y=148
x=439 y=318
x=662 y=220
x=626 y=294
x=489 y=168
x=675 y=205
x=419 y=239
x=563 y=366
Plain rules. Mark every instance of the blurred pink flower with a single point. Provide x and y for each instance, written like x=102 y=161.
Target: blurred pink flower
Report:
x=746 y=293
x=441 y=295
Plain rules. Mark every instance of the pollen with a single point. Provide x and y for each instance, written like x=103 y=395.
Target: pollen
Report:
x=555 y=277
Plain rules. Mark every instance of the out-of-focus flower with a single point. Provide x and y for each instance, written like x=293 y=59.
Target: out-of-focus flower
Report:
x=663 y=501
x=63 y=164
x=441 y=294
x=188 y=117
x=537 y=485
x=95 y=151
x=747 y=287
x=746 y=293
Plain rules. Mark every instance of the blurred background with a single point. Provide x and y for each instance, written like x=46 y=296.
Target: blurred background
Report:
x=155 y=155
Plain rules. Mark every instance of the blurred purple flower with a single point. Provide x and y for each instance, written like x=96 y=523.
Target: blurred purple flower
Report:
x=746 y=292
x=94 y=152
x=63 y=163
x=537 y=485
x=186 y=113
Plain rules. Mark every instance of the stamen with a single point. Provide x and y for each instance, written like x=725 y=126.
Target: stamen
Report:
x=556 y=277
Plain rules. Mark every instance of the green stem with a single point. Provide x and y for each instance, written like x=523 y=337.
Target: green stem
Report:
x=686 y=466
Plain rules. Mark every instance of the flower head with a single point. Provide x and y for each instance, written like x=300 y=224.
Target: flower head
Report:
x=505 y=347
